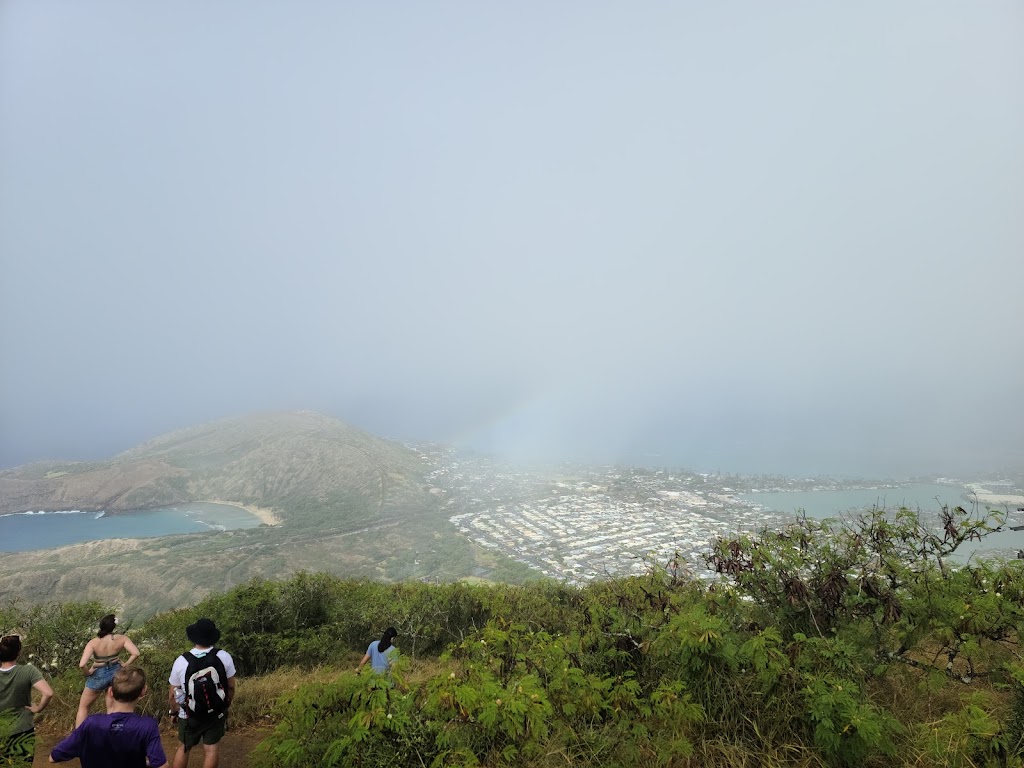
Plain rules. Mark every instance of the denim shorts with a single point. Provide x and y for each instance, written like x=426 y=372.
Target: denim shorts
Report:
x=101 y=679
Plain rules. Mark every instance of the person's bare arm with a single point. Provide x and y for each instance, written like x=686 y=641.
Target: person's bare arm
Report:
x=172 y=703
x=83 y=663
x=47 y=693
x=133 y=651
x=230 y=691
x=366 y=658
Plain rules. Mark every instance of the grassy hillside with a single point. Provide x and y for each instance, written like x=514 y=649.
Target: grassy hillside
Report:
x=350 y=503
x=856 y=646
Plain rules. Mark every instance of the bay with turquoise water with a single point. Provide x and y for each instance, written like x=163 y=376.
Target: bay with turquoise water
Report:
x=41 y=529
x=926 y=497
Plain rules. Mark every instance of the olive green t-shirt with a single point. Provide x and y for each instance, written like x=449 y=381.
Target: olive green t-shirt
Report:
x=16 y=694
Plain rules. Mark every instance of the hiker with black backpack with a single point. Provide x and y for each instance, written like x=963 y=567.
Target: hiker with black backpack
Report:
x=202 y=687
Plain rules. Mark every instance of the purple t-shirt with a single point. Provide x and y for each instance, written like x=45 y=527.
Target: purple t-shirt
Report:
x=124 y=739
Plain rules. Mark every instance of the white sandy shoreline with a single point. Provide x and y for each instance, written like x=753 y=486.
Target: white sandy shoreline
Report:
x=997 y=498
x=986 y=496
x=265 y=514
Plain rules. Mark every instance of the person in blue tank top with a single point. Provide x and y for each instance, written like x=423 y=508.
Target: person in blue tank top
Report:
x=381 y=653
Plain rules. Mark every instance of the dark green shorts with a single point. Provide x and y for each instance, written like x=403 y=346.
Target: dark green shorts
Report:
x=18 y=749
x=191 y=732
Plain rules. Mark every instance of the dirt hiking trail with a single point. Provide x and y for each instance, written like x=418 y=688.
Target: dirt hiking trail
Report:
x=237 y=745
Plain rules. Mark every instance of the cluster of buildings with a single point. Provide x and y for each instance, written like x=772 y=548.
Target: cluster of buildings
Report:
x=578 y=523
x=587 y=523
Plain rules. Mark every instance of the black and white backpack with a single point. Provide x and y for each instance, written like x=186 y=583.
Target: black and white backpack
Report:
x=205 y=686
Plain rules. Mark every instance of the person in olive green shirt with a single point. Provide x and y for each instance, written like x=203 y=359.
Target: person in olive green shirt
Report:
x=17 y=730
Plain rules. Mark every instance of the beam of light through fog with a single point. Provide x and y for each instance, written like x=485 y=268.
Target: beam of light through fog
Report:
x=743 y=236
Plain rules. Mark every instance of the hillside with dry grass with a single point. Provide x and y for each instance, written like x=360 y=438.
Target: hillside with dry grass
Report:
x=268 y=460
x=847 y=646
x=349 y=503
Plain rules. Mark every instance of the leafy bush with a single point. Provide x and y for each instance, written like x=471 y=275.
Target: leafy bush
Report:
x=53 y=634
x=859 y=643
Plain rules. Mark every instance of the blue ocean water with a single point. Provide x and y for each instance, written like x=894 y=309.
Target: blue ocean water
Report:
x=45 y=529
x=926 y=497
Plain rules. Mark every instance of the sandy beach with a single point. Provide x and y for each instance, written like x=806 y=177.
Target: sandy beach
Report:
x=995 y=498
x=985 y=496
x=265 y=514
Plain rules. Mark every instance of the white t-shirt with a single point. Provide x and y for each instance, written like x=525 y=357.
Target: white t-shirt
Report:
x=177 y=678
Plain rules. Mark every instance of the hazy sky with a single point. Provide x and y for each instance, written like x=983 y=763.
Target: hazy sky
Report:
x=780 y=236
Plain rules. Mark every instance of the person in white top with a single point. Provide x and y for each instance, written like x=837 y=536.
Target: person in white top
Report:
x=194 y=729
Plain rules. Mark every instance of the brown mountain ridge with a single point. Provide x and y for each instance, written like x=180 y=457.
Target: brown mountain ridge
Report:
x=264 y=460
x=349 y=503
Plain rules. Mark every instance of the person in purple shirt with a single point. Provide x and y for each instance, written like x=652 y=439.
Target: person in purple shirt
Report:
x=121 y=737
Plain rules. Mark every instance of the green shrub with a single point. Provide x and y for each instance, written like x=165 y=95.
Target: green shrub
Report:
x=857 y=643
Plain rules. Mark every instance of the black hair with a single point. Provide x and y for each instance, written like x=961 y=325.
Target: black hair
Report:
x=385 y=640
x=107 y=624
x=10 y=648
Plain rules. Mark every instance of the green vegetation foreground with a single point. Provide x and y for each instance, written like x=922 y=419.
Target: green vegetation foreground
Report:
x=856 y=644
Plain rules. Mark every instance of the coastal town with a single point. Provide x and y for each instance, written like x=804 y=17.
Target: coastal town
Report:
x=579 y=523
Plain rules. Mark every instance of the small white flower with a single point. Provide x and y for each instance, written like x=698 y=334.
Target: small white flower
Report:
x=389 y=715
